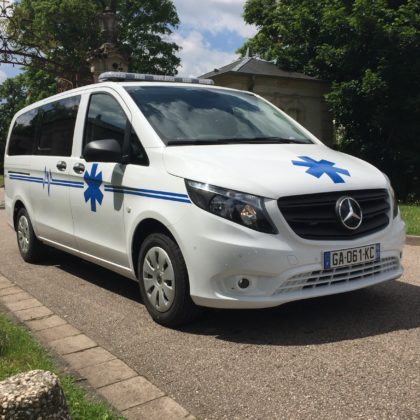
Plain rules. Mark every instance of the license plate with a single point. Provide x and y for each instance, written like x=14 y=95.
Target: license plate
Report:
x=351 y=256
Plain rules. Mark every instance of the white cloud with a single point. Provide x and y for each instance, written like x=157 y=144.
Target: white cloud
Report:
x=196 y=56
x=3 y=76
x=214 y=16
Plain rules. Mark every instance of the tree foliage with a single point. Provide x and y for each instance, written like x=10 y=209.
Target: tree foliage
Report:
x=30 y=86
x=66 y=32
x=370 y=52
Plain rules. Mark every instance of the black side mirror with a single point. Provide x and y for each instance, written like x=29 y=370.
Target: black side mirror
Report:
x=107 y=150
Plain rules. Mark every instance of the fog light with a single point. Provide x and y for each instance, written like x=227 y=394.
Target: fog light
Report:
x=243 y=283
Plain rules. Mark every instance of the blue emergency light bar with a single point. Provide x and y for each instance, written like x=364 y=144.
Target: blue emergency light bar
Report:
x=117 y=76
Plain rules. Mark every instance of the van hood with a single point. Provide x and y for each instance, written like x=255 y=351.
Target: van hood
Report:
x=273 y=170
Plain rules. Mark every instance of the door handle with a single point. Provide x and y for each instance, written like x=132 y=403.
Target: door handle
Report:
x=61 y=166
x=79 y=168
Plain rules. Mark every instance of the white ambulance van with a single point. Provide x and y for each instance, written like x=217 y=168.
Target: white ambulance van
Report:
x=207 y=196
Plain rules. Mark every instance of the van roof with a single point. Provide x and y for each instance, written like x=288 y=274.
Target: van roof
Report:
x=117 y=76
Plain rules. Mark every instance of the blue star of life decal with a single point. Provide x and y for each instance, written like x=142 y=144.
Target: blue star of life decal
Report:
x=318 y=168
x=93 y=192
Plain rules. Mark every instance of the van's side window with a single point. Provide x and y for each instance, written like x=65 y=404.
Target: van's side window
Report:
x=22 y=139
x=57 y=127
x=107 y=120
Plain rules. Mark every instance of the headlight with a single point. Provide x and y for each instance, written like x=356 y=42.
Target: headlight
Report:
x=393 y=198
x=246 y=209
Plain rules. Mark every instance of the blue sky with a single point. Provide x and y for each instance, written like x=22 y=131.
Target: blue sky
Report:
x=209 y=34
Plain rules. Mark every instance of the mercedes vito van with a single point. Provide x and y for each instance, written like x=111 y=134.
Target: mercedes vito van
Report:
x=207 y=196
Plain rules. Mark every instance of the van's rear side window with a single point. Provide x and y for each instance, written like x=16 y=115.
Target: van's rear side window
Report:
x=22 y=139
x=57 y=127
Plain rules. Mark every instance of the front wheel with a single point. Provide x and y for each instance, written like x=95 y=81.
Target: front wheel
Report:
x=163 y=281
x=31 y=249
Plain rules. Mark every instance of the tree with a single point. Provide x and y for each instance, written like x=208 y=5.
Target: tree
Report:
x=370 y=52
x=61 y=35
x=13 y=98
x=58 y=36
x=15 y=93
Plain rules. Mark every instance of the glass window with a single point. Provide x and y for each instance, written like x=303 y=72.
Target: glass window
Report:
x=182 y=115
x=57 y=127
x=106 y=119
x=22 y=139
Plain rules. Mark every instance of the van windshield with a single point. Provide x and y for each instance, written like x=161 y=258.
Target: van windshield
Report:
x=186 y=115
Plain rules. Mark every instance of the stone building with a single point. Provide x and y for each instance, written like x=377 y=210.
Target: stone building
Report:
x=301 y=96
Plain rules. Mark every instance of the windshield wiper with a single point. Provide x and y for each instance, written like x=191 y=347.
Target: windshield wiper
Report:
x=193 y=142
x=278 y=140
x=237 y=140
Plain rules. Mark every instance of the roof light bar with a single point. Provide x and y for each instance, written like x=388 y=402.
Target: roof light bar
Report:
x=116 y=76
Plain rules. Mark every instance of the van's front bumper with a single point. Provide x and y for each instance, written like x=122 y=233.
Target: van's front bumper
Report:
x=279 y=268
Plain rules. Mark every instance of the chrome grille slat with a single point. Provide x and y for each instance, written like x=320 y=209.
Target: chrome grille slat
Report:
x=339 y=275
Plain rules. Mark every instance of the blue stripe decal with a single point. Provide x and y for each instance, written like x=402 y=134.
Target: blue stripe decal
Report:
x=142 y=194
x=156 y=192
x=63 y=181
x=37 y=181
x=48 y=181
x=42 y=181
x=66 y=185
x=25 y=178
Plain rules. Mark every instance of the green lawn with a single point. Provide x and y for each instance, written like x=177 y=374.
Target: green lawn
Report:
x=20 y=352
x=1 y=180
x=411 y=216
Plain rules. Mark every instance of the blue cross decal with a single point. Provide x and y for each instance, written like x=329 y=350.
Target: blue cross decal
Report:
x=318 y=168
x=93 y=191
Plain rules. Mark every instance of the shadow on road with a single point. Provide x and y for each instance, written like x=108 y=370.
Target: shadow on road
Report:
x=94 y=274
x=380 y=309
x=391 y=306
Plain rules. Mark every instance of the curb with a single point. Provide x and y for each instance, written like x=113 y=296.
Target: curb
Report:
x=128 y=392
x=412 y=240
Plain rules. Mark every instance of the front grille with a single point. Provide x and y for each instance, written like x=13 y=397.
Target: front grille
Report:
x=313 y=216
x=339 y=275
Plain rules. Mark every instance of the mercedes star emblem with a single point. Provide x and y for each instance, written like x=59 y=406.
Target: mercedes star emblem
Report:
x=349 y=212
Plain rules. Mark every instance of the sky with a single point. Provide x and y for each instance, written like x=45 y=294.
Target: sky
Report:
x=209 y=34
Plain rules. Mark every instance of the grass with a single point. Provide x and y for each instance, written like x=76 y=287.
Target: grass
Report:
x=20 y=352
x=1 y=180
x=411 y=215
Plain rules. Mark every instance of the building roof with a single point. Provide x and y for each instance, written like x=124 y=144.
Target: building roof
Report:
x=256 y=66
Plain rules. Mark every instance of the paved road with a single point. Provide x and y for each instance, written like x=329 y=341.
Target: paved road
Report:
x=347 y=356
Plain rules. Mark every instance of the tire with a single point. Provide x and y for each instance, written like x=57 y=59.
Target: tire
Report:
x=31 y=249
x=163 y=281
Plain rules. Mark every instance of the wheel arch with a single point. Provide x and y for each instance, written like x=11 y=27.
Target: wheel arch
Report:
x=143 y=229
x=18 y=205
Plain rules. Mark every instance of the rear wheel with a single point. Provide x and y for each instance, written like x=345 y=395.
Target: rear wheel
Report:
x=163 y=281
x=31 y=249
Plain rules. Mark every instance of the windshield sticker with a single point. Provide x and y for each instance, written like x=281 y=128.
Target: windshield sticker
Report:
x=321 y=167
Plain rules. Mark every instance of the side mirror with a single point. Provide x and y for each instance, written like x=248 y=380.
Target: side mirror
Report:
x=107 y=150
